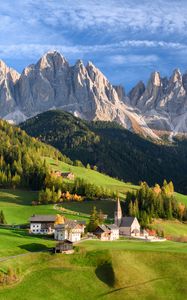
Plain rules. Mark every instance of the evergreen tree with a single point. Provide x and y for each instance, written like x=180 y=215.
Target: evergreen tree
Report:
x=94 y=220
x=2 y=218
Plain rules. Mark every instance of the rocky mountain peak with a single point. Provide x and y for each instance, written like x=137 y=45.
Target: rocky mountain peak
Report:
x=136 y=93
x=155 y=79
x=8 y=73
x=176 y=76
x=52 y=59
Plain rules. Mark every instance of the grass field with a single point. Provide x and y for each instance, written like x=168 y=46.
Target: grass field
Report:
x=171 y=227
x=181 y=198
x=17 y=207
x=102 y=270
x=107 y=206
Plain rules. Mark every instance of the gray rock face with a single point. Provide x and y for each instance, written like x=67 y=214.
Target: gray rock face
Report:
x=8 y=79
x=163 y=104
x=84 y=91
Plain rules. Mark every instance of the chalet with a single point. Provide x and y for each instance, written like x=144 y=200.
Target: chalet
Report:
x=71 y=230
x=42 y=224
x=65 y=246
x=107 y=232
x=128 y=226
x=66 y=175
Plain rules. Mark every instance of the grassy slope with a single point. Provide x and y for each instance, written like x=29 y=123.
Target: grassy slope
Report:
x=17 y=207
x=93 y=177
x=137 y=271
x=181 y=198
x=171 y=227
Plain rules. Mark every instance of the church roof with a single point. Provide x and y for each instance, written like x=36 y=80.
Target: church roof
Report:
x=127 y=221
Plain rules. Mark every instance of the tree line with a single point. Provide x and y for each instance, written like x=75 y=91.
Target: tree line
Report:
x=21 y=162
x=58 y=190
x=154 y=202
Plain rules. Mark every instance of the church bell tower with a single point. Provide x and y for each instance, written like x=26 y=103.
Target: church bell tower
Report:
x=118 y=214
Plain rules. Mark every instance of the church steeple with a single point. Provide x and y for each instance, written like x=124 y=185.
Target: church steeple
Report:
x=118 y=213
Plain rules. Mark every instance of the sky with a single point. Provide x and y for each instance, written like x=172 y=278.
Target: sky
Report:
x=126 y=39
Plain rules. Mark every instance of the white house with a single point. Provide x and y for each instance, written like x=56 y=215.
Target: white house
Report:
x=71 y=230
x=128 y=226
x=42 y=224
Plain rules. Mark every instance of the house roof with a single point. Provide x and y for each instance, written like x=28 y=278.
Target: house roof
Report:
x=43 y=218
x=64 y=242
x=102 y=228
x=127 y=221
x=112 y=226
x=67 y=173
x=59 y=226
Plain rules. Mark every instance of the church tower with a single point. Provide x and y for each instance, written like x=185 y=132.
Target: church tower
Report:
x=118 y=214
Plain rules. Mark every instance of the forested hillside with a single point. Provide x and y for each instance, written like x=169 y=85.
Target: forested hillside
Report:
x=113 y=149
x=21 y=163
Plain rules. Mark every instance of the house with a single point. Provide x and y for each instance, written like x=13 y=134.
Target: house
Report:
x=107 y=232
x=66 y=175
x=128 y=226
x=65 y=246
x=42 y=224
x=71 y=230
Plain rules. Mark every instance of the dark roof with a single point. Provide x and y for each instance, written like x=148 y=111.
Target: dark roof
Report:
x=59 y=226
x=127 y=221
x=64 y=242
x=102 y=228
x=43 y=218
x=81 y=222
x=67 y=173
x=112 y=226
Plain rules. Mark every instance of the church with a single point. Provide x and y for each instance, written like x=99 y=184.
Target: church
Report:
x=128 y=226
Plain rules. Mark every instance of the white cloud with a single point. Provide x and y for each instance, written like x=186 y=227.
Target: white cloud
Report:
x=133 y=59
x=77 y=51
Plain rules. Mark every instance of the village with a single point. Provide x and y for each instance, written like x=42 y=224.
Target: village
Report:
x=68 y=232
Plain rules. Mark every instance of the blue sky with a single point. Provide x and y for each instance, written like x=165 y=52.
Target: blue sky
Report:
x=126 y=39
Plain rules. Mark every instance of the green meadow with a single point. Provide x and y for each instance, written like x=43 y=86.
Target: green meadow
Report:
x=101 y=270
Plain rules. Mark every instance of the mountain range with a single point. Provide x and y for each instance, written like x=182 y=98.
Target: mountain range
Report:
x=154 y=110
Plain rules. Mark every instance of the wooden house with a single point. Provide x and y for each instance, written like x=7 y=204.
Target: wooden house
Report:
x=107 y=232
x=65 y=246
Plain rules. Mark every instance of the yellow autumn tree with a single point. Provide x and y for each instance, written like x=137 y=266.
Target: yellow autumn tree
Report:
x=59 y=219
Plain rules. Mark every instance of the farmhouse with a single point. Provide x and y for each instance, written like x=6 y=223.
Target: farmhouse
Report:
x=61 y=227
x=42 y=224
x=128 y=226
x=70 y=230
x=66 y=175
x=107 y=232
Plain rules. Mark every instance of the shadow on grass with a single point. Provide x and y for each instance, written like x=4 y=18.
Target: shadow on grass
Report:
x=19 y=197
x=34 y=247
x=105 y=273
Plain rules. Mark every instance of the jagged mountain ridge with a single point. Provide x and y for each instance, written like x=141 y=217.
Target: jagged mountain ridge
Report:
x=84 y=91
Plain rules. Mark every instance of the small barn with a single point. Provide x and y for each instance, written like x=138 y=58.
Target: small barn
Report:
x=65 y=246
